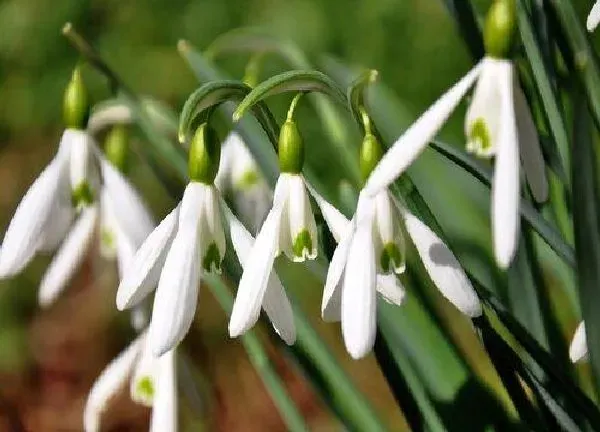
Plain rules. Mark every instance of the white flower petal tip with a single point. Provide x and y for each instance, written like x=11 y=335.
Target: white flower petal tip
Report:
x=164 y=411
x=144 y=271
x=443 y=267
x=578 y=350
x=391 y=289
x=594 y=17
x=256 y=275
x=359 y=304
x=406 y=148
x=69 y=257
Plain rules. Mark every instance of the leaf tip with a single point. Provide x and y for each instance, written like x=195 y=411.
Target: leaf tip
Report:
x=183 y=45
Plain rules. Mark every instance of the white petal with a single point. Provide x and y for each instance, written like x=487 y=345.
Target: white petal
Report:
x=391 y=289
x=211 y=229
x=275 y=302
x=529 y=144
x=139 y=317
x=594 y=17
x=443 y=267
x=82 y=166
x=164 y=411
x=336 y=221
x=130 y=211
x=578 y=349
x=301 y=219
x=143 y=384
x=390 y=235
x=144 y=271
x=69 y=257
x=177 y=292
x=107 y=116
x=358 y=293
x=256 y=275
x=223 y=178
x=26 y=232
x=505 y=186
x=108 y=384
x=332 y=294
x=253 y=204
x=410 y=144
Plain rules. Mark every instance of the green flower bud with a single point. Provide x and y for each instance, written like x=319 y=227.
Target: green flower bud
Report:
x=75 y=103
x=204 y=155
x=116 y=148
x=291 y=148
x=500 y=25
x=370 y=155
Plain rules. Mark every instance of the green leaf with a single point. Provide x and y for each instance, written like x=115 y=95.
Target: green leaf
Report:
x=586 y=215
x=466 y=21
x=356 y=93
x=206 y=98
x=292 y=81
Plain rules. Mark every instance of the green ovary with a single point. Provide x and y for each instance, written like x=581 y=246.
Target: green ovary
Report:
x=82 y=195
x=391 y=258
x=302 y=242
x=212 y=259
x=145 y=387
x=479 y=137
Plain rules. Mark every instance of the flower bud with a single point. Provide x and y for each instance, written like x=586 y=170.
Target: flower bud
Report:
x=115 y=146
x=204 y=155
x=500 y=25
x=75 y=103
x=370 y=155
x=291 y=148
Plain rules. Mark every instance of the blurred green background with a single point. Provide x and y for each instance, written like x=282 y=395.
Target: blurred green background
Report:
x=414 y=44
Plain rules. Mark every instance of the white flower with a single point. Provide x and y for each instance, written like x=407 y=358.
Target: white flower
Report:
x=289 y=228
x=240 y=178
x=122 y=221
x=594 y=17
x=578 y=349
x=357 y=269
x=497 y=121
x=152 y=383
x=187 y=242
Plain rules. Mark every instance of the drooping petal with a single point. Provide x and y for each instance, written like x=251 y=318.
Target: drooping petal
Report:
x=143 y=384
x=223 y=179
x=505 y=186
x=302 y=225
x=529 y=145
x=336 y=221
x=332 y=294
x=164 y=410
x=69 y=257
x=275 y=302
x=212 y=235
x=578 y=349
x=391 y=289
x=443 y=267
x=107 y=385
x=83 y=167
x=256 y=275
x=26 y=232
x=594 y=17
x=107 y=116
x=391 y=247
x=252 y=204
x=177 y=292
x=144 y=271
x=410 y=144
x=358 y=293
x=131 y=213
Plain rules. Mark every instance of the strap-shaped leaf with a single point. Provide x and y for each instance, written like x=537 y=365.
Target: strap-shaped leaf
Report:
x=292 y=81
x=200 y=104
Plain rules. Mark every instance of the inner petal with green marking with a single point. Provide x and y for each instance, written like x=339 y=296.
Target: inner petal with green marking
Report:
x=145 y=388
x=303 y=244
x=82 y=195
x=479 y=140
x=392 y=259
x=212 y=259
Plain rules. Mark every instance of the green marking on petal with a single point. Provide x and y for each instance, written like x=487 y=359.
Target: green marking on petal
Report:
x=302 y=242
x=479 y=137
x=391 y=258
x=249 y=178
x=145 y=387
x=82 y=195
x=212 y=259
x=107 y=238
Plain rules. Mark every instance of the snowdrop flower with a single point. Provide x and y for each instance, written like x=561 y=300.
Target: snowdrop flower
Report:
x=578 y=349
x=152 y=382
x=119 y=220
x=498 y=124
x=594 y=17
x=370 y=253
x=68 y=185
x=240 y=176
x=190 y=241
x=289 y=228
